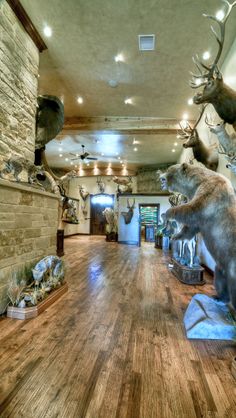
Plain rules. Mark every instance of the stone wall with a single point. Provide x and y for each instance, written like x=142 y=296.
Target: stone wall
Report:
x=148 y=180
x=19 y=60
x=28 y=227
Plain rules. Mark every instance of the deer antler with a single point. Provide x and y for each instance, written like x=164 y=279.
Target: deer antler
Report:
x=210 y=70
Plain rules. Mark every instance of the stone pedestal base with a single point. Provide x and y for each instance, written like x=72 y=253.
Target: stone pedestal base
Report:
x=33 y=311
x=188 y=275
x=209 y=319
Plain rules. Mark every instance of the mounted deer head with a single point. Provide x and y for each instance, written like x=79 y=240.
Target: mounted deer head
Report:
x=205 y=155
x=128 y=215
x=222 y=97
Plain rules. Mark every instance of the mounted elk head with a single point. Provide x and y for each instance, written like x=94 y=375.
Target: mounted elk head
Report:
x=222 y=97
x=128 y=215
x=205 y=155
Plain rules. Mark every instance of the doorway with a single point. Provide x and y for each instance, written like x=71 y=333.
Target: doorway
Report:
x=98 y=203
x=148 y=220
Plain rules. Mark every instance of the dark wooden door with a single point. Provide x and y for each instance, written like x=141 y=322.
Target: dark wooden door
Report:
x=98 y=222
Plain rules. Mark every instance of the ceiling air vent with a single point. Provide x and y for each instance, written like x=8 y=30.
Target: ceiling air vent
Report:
x=146 y=42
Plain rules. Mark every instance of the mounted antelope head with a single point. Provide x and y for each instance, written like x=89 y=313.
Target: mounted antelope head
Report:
x=222 y=97
x=101 y=185
x=83 y=193
x=227 y=143
x=128 y=215
x=205 y=155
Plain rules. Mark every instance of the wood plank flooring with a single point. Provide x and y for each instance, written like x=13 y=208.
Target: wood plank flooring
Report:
x=114 y=346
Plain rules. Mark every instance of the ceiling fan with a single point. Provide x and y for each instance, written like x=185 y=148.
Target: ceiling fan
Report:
x=83 y=156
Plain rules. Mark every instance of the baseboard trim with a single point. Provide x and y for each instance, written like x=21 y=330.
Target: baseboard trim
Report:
x=78 y=233
x=210 y=271
x=128 y=242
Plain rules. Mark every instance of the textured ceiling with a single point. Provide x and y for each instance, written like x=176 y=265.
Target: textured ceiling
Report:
x=87 y=34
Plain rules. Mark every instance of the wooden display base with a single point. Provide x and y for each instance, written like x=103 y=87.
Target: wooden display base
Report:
x=188 y=275
x=233 y=367
x=33 y=311
x=112 y=237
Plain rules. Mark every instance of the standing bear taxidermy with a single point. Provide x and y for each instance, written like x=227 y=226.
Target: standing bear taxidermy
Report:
x=211 y=210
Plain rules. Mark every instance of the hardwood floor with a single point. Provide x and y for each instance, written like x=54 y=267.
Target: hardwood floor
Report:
x=114 y=346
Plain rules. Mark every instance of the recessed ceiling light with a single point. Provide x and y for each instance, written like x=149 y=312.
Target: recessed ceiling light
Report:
x=71 y=163
x=102 y=154
x=87 y=164
x=206 y=55
x=66 y=159
x=178 y=136
x=60 y=155
x=185 y=116
x=118 y=158
x=113 y=83
x=173 y=150
x=121 y=161
x=198 y=81
x=80 y=100
x=175 y=144
x=190 y=101
x=47 y=31
x=135 y=149
x=128 y=101
x=60 y=149
x=220 y=15
x=119 y=58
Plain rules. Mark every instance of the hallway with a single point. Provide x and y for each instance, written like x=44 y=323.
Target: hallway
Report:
x=114 y=345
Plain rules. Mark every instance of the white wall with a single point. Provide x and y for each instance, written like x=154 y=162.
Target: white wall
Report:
x=90 y=185
x=229 y=76
x=130 y=232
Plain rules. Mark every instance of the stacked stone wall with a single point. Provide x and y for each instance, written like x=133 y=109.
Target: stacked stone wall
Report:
x=28 y=228
x=19 y=60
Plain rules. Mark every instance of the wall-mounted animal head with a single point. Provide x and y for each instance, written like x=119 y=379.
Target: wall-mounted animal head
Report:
x=101 y=185
x=128 y=215
x=49 y=119
x=222 y=97
x=201 y=152
x=83 y=193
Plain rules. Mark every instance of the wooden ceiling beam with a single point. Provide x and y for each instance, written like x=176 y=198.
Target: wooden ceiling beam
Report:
x=121 y=125
x=27 y=23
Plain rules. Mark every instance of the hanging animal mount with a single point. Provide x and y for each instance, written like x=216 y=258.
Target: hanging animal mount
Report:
x=69 y=211
x=205 y=155
x=83 y=193
x=215 y=91
x=124 y=184
x=129 y=215
x=101 y=185
x=20 y=169
x=49 y=119
x=227 y=143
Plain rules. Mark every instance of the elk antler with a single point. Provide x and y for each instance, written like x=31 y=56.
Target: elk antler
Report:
x=203 y=77
x=187 y=131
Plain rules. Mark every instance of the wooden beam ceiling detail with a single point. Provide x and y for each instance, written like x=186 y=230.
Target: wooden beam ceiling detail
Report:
x=28 y=25
x=121 y=125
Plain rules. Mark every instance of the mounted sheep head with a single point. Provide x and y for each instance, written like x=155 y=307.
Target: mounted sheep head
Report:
x=128 y=215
